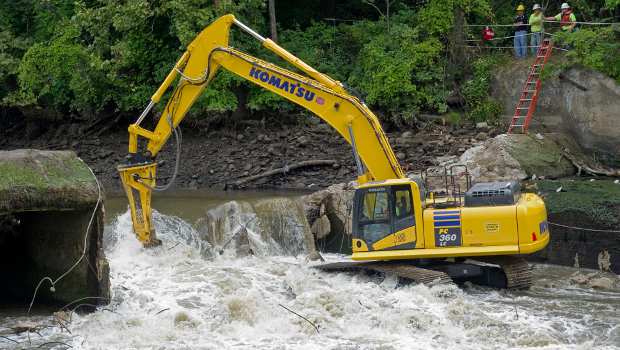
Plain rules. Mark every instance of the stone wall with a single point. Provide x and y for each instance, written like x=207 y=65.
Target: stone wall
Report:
x=47 y=200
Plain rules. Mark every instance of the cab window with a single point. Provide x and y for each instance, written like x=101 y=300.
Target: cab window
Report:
x=374 y=216
x=403 y=208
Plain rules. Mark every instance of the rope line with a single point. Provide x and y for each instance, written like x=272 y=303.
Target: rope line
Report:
x=500 y=38
x=90 y=222
x=495 y=25
x=526 y=24
x=506 y=47
x=583 y=228
x=588 y=23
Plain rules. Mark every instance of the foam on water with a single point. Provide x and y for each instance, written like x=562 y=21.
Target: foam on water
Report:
x=185 y=295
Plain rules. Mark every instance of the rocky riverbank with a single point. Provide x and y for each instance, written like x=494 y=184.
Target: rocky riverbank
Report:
x=212 y=159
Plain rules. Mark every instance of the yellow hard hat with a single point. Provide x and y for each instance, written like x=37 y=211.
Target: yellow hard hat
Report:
x=521 y=8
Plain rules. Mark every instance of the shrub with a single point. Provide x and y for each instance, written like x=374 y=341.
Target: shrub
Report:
x=476 y=91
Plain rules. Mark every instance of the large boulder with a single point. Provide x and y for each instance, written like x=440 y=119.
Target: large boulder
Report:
x=329 y=214
x=51 y=217
x=580 y=102
x=516 y=157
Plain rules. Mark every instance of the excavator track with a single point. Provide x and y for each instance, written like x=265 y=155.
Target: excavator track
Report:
x=402 y=270
x=517 y=270
x=506 y=272
x=414 y=273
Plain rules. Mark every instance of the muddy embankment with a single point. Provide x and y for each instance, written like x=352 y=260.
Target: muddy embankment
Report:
x=213 y=159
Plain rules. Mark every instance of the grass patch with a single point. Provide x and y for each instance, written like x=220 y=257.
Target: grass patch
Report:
x=52 y=172
x=598 y=200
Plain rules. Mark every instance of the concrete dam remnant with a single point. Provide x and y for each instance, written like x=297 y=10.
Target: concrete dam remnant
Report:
x=51 y=219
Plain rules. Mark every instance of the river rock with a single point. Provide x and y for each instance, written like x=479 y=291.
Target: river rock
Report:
x=599 y=280
x=321 y=227
x=601 y=283
x=303 y=140
x=336 y=201
x=482 y=125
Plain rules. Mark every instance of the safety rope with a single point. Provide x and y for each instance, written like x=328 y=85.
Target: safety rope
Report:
x=506 y=47
x=90 y=223
x=588 y=23
x=495 y=25
x=526 y=24
x=500 y=38
x=582 y=228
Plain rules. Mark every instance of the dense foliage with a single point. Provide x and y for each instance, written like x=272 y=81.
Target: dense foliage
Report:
x=597 y=48
x=106 y=57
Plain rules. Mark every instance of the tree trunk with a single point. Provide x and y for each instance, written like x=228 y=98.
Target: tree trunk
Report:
x=272 y=20
x=387 y=14
x=241 y=112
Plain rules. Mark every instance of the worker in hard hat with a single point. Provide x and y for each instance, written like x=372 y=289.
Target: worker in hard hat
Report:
x=536 y=28
x=567 y=18
x=520 y=24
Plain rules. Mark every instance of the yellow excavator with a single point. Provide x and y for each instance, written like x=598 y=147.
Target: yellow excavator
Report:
x=396 y=224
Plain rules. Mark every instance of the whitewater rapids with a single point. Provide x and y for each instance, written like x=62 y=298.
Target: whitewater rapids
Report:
x=186 y=295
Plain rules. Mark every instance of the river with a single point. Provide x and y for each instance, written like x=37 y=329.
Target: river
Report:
x=191 y=293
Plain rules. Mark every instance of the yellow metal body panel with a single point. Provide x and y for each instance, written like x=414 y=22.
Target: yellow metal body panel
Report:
x=401 y=237
x=436 y=253
x=489 y=226
x=359 y=245
x=533 y=230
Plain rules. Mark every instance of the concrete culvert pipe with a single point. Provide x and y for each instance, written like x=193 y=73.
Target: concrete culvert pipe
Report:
x=51 y=223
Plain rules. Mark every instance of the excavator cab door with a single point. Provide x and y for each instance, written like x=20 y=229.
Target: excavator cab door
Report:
x=384 y=218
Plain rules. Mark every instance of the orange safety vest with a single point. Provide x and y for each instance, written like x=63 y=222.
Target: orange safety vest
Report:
x=565 y=21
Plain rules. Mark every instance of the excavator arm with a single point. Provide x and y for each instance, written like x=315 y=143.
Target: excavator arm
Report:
x=205 y=56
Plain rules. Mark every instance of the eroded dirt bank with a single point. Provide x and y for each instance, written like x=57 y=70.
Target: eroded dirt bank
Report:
x=212 y=159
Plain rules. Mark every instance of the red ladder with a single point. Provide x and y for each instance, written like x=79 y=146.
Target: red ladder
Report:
x=531 y=88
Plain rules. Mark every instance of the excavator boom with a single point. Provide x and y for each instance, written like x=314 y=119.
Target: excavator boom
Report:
x=205 y=56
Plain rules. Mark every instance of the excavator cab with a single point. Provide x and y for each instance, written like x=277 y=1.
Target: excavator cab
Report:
x=385 y=216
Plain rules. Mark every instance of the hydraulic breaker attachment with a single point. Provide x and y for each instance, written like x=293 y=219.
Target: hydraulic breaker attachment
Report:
x=138 y=182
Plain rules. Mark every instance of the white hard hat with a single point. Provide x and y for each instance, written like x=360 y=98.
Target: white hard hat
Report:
x=536 y=7
x=564 y=6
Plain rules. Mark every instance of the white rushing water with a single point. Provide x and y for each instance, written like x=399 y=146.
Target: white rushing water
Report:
x=185 y=295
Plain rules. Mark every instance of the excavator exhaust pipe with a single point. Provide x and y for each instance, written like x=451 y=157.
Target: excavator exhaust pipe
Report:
x=138 y=182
